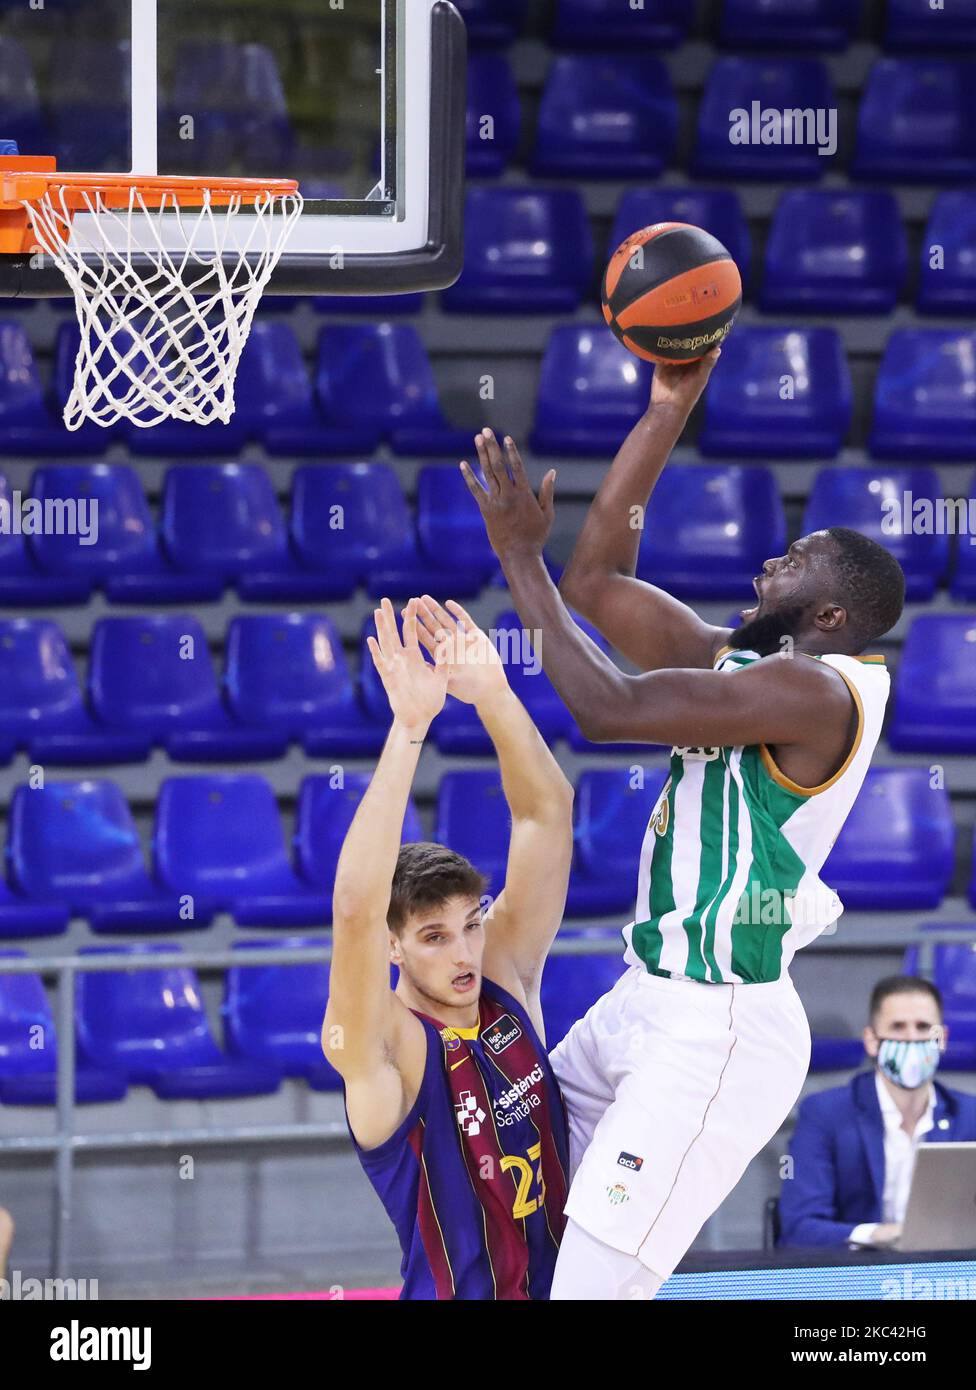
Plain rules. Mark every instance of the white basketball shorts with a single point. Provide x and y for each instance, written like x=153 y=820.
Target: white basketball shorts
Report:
x=671 y=1088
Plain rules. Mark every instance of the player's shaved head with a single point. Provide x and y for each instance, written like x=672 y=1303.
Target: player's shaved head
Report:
x=871 y=583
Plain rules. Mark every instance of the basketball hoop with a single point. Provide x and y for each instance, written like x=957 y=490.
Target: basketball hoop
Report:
x=166 y=278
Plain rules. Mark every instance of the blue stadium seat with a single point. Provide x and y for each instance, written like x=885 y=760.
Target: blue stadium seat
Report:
x=947 y=279
x=75 y=844
x=914 y=24
x=869 y=500
x=925 y=396
x=917 y=121
x=326 y=806
x=41 y=704
x=274 y=403
x=351 y=526
x=27 y=424
x=605 y=116
x=121 y=553
x=220 y=839
x=287 y=675
x=592 y=392
x=492 y=21
x=23 y=916
x=494 y=114
x=777 y=84
x=778 y=392
x=472 y=819
x=373 y=306
x=963 y=585
x=611 y=819
x=375 y=381
x=897 y=847
x=607 y=24
x=21 y=116
x=707 y=531
x=240 y=111
x=953 y=972
x=452 y=533
x=526 y=251
x=221 y=523
x=151 y=1027
x=834 y=253
x=28 y=1072
x=528 y=680
x=935 y=707
x=90 y=107
x=153 y=677
x=273 y=1014
x=819 y=24
x=717 y=210
x=571 y=984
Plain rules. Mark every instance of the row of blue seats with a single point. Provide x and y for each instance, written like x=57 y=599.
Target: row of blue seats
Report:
x=350 y=525
x=73 y=848
x=531 y=250
x=150 y=1027
x=152 y=683
x=777 y=392
x=616 y=116
x=815 y=24
x=373 y=383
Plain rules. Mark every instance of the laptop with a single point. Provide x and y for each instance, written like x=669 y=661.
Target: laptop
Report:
x=941 y=1212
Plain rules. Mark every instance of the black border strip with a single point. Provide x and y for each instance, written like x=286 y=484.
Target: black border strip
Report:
x=433 y=266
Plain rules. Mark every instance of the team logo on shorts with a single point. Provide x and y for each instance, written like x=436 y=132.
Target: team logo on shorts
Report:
x=451 y=1040
x=502 y=1033
x=631 y=1161
x=618 y=1194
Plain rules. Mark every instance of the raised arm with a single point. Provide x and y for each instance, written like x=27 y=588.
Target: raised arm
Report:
x=774 y=701
x=525 y=916
x=646 y=624
x=366 y=1029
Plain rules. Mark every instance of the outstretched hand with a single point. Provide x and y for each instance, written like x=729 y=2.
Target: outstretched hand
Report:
x=417 y=689
x=679 y=384
x=476 y=672
x=517 y=521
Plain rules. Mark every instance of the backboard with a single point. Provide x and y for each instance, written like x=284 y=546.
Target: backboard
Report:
x=362 y=101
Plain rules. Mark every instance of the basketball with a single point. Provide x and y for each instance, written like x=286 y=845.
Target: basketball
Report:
x=671 y=292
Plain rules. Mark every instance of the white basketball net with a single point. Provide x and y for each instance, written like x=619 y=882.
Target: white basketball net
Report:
x=161 y=339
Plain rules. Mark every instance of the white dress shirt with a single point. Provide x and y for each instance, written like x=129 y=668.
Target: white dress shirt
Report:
x=899 y=1160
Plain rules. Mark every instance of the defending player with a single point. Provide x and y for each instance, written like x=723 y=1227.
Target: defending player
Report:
x=450 y=1096
x=678 y=1076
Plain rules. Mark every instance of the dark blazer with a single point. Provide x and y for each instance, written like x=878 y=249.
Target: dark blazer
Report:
x=838 y=1159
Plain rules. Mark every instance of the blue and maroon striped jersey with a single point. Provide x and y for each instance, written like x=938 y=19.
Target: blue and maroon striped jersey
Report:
x=475 y=1178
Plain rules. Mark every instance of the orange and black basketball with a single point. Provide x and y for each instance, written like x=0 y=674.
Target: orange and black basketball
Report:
x=671 y=292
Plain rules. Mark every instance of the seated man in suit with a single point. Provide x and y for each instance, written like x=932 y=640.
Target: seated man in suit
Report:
x=854 y=1146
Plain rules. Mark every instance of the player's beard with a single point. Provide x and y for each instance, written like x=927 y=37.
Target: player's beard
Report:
x=765 y=632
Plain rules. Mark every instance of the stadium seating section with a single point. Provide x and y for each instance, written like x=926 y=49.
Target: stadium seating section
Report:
x=171 y=673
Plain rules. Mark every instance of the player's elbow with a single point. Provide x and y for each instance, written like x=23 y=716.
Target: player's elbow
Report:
x=577 y=590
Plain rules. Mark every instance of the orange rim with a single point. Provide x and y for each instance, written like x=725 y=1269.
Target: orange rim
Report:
x=28 y=179
x=24 y=186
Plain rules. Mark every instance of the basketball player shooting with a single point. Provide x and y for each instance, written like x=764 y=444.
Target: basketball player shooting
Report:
x=678 y=1076
x=450 y=1096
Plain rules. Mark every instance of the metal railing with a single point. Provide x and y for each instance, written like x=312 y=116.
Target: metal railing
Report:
x=65 y=1143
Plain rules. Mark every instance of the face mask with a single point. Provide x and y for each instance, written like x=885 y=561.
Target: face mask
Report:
x=908 y=1064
